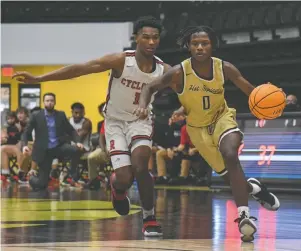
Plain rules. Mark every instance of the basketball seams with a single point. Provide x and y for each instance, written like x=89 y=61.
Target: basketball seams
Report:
x=258 y=110
x=255 y=96
x=265 y=97
x=265 y=116
x=270 y=106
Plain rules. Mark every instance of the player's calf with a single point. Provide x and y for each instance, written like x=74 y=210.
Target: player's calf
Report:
x=121 y=181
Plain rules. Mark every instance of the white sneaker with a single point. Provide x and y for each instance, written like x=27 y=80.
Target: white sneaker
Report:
x=247 y=227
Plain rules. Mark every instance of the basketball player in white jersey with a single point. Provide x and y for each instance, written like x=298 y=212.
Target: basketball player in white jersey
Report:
x=128 y=139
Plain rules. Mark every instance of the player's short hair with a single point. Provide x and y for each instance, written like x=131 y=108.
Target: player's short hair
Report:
x=147 y=21
x=77 y=105
x=185 y=36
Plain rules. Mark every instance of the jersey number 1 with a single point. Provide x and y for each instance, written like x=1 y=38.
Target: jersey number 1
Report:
x=206 y=102
x=137 y=97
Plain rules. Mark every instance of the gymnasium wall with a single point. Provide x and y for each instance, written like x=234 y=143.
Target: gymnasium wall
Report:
x=58 y=43
x=90 y=90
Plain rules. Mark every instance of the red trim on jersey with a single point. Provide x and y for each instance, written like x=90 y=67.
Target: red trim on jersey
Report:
x=159 y=62
x=109 y=92
x=102 y=129
x=113 y=153
x=130 y=54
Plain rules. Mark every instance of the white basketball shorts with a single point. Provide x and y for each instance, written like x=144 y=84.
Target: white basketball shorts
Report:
x=124 y=137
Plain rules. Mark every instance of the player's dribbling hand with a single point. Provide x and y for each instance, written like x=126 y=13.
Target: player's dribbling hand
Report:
x=25 y=77
x=141 y=113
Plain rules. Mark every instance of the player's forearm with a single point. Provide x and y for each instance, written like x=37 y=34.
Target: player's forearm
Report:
x=247 y=89
x=145 y=96
x=67 y=72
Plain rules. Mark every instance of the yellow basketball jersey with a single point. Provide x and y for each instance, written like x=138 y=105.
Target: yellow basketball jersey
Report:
x=203 y=99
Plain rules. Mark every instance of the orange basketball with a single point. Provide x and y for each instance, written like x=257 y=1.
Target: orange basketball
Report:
x=267 y=101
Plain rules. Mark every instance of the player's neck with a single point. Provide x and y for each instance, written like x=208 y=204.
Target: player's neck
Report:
x=202 y=65
x=142 y=59
x=145 y=63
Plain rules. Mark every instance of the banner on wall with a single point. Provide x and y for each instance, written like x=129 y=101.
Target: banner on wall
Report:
x=52 y=44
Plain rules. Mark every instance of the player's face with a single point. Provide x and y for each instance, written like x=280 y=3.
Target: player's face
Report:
x=77 y=115
x=147 y=40
x=49 y=102
x=200 y=46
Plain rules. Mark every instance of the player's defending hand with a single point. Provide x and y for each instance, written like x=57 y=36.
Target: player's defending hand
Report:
x=25 y=77
x=141 y=113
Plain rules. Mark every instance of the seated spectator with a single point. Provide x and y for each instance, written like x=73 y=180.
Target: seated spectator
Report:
x=10 y=137
x=82 y=125
x=168 y=151
x=51 y=127
x=292 y=104
x=27 y=160
x=100 y=111
x=12 y=147
x=191 y=159
x=97 y=160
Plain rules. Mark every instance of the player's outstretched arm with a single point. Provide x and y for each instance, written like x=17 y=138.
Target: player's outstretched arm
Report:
x=172 y=78
x=108 y=62
x=233 y=74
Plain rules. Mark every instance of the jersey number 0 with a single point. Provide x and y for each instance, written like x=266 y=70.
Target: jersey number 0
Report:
x=206 y=102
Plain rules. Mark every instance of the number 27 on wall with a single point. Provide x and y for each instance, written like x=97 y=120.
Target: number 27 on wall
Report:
x=264 y=158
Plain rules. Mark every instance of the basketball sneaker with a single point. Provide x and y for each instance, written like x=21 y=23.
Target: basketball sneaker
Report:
x=246 y=226
x=121 y=202
x=268 y=200
x=151 y=228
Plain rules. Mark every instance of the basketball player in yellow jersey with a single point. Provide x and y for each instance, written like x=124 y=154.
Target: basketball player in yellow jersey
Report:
x=199 y=82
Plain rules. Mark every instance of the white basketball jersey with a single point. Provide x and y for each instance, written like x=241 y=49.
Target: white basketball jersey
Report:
x=124 y=92
x=77 y=126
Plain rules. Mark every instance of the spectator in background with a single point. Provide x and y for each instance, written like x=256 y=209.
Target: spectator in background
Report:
x=292 y=104
x=23 y=117
x=51 y=127
x=10 y=137
x=100 y=111
x=27 y=160
x=81 y=124
x=13 y=146
x=168 y=151
x=83 y=127
x=97 y=160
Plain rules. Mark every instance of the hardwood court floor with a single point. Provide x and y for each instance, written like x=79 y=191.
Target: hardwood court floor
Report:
x=72 y=219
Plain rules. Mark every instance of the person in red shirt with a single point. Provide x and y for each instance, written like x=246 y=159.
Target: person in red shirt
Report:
x=98 y=159
x=187 y=149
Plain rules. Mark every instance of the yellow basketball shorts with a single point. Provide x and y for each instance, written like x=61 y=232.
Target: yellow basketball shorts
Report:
x=207 y=139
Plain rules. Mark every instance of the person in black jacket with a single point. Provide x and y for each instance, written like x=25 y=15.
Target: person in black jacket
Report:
x=52 y=129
